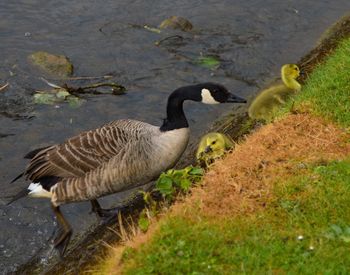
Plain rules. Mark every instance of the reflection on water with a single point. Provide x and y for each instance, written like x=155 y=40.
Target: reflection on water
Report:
x=251 y=39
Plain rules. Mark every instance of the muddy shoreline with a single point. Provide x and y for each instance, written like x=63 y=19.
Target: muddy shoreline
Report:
x=88 y=248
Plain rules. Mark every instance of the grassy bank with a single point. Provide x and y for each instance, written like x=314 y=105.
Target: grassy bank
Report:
x=304 y=229
x=277 y=204
x=327 y=90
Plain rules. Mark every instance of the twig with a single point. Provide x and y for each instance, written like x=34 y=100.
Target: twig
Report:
x=159 y=42
x=117 y=88
x=113 y=85
x=4 y=87
x=87 y=77
x=51 y=84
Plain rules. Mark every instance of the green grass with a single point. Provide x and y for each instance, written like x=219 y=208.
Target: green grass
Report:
x=328 y=87
x=315 y=206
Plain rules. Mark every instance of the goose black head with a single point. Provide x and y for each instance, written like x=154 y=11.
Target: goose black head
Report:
x=209 y=93
x=212 y=93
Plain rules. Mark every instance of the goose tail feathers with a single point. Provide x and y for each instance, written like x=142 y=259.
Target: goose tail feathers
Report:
x=19 y=195
x=16 y=178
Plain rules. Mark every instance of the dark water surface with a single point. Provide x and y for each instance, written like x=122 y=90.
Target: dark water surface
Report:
x=251 y=38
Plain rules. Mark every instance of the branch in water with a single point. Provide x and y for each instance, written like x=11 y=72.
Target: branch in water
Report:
x=4 y=87
x=117 y=89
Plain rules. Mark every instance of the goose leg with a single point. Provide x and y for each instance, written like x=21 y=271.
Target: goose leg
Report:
x=64 y=233
x=103 y=213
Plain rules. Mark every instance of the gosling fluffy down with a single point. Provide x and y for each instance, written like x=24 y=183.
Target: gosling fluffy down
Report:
x=212 y=146
x=270 y=99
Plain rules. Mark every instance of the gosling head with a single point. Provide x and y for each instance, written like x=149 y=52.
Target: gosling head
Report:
x=214 y=143
x=290 y=71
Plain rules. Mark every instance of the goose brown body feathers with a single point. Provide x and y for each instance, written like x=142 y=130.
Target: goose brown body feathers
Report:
x=107 y=160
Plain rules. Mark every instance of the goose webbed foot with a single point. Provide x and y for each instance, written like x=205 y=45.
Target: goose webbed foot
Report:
x=105 y=214
x=62 y=240
x=64 y=234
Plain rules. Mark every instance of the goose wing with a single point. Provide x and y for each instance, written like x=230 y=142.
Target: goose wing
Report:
x=84 y=152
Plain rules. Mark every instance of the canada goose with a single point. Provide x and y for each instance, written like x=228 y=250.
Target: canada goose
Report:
x=269 y=99
x=212 y=146
x=118 y=156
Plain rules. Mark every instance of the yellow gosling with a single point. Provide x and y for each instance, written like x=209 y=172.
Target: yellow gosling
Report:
x=268 y=100
x=212 y=146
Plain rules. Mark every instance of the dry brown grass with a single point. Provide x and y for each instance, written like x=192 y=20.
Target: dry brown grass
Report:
x=243 y=180
x=131 y=237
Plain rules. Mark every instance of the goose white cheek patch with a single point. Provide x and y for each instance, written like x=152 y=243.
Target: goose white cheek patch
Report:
x=207 y=98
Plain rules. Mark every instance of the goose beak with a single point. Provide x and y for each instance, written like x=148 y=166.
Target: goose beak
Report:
x=235 y=99
x=207 y=149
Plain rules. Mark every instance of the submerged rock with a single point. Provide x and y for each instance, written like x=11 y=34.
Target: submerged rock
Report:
x=57 y=65
x=176 y=22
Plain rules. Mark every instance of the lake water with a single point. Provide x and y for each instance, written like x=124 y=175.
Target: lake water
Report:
x=251 y=39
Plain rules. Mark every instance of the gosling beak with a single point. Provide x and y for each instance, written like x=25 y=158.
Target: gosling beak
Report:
x=207 y=149
x=235 y=99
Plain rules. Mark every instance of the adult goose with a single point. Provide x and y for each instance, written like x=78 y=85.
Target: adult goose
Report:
x=118 y=156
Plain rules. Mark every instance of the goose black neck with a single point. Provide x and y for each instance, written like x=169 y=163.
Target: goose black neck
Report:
x=176 y=118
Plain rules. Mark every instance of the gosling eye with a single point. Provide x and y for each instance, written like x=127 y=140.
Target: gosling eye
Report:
x=213 y=142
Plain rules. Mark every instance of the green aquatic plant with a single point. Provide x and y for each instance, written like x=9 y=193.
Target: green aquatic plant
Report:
x=181 y=180
x=210 y=62
x=168 y=184
x=55 y=96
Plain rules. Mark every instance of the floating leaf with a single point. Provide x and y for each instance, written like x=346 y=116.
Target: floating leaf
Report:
x=209 y=62
x=45 y=98
x=74 y=101
x=62 y=94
